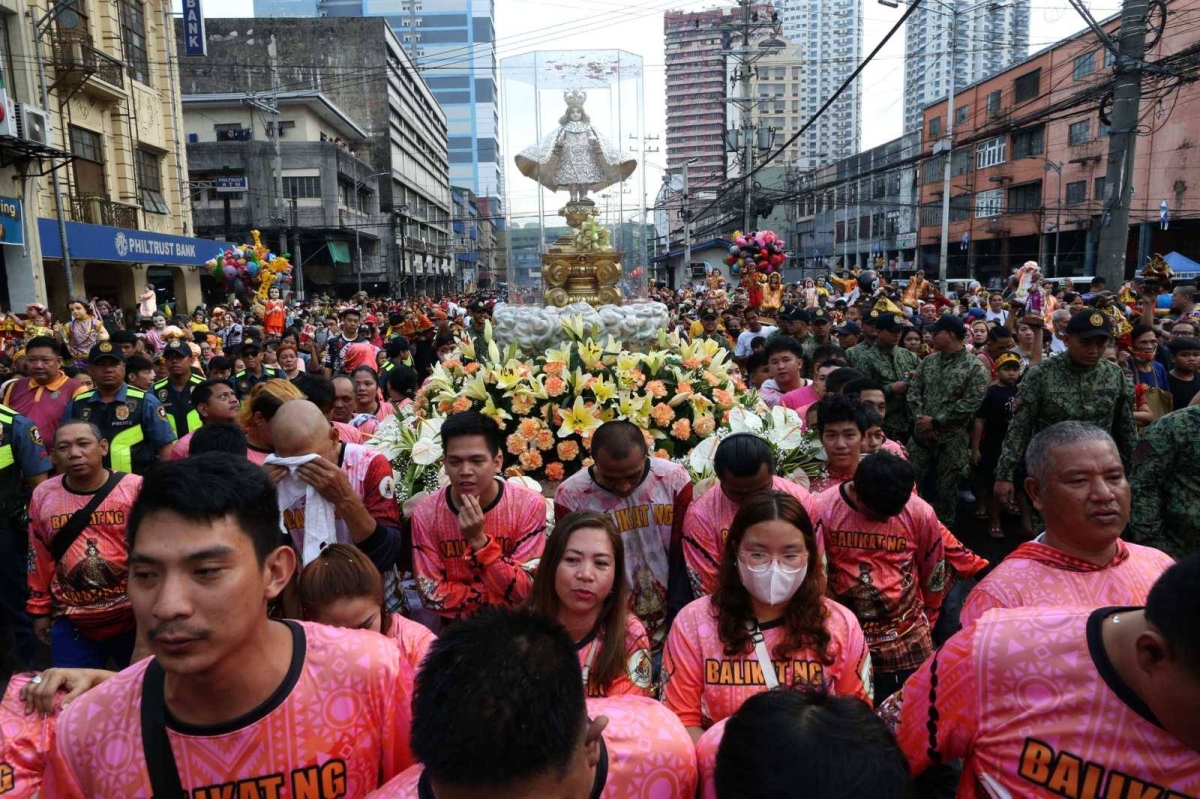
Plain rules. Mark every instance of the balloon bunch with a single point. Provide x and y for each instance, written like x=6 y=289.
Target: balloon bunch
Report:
x=593 y=237
x=762 y=251
x=250 y=266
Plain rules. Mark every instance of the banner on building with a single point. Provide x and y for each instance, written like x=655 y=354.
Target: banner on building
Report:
x=12 y=222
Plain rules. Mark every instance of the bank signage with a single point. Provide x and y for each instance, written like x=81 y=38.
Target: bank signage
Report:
x=195 y=43
x=12 y=222
x=102 y=243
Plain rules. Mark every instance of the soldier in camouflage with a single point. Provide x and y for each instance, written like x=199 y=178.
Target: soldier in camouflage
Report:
x=821 y=323
x=1166 y=485
x=1074 y=385
x=943 y=396
x=893 y=366
x=856 y=353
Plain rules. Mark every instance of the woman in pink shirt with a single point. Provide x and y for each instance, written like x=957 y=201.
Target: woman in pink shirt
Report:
x=369 y=407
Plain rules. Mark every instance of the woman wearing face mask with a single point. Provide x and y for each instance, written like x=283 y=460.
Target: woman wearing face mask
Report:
x=580 y=583
x=768 y=624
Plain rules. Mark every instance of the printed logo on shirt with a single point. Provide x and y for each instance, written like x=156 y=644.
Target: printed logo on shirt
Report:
x=1067 y=774
x=162 y=395
x=162 y=413
x=851 y=539
x=85 y=414
x=627 y=519
x=749 y=672
x=459 y=547
x=35 y=435
x=327 y=781
x=387 y=488
x=8 y=781
x=99 y=517
x=122 y=413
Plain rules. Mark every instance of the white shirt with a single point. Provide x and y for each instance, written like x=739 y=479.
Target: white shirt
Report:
x=742 y=349
x=1057 y=345
x=1000 y=316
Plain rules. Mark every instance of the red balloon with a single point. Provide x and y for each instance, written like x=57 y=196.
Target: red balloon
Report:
x=730 y=260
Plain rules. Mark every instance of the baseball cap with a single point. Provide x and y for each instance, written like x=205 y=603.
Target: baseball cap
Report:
x=105 y=349
x=819 y=316
x=850 y=328
x=872 y=318
x=251 y=343
x=1008 y=359
x=949 y=323
x=1089 y=324
x=886 y=321
x=708 y=313
x=177 y=347
x=479 y=306
x=976 y=313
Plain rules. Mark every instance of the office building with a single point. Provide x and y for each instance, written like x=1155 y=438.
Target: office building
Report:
x=991 y=37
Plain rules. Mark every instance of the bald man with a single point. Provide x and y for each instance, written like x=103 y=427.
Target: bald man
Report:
x=357 y=481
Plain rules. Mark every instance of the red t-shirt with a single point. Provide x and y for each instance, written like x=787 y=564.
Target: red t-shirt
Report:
x=88 y=585
x=703 y=685
x=1031 y=703
x=24 y=743
x=637 y=677
x=337 y=725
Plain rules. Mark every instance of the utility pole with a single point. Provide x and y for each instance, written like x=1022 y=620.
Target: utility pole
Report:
x=273 y=109
x=948 y=154
x=1122 y=143
x=685 y=211
x=297 y=257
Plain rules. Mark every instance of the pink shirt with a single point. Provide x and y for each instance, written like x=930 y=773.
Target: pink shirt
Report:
x=649 y=520
x=706 y=759
x=650 y=754
x=24 y=743
x=413 y=639
x=1030 y=701
x=453 y=579
x=1036 y=574
x=799 y=398
x=341 y=717
x=702 y=684
x=706 y=526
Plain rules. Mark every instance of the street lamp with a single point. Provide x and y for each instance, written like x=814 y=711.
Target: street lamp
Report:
x=1057 y=167
x=358 y=223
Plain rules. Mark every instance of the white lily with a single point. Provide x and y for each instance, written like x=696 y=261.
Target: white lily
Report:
x=426 y=452
x=743 y=421
x=700 y=459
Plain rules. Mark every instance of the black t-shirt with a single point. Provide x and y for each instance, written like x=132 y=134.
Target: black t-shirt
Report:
x=1183 y=390
x=997 y=410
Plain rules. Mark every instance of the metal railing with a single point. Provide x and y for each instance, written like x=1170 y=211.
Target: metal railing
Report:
x=96 y=210
x=77 y=57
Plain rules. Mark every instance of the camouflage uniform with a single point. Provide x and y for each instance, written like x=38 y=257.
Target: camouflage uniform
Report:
x=857 y=353
x=889 y=367
x=1166 y=485
x=949 y=388
x=809 y=345
x=1059 y=390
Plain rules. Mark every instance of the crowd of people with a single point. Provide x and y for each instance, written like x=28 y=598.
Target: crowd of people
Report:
x=201 y=545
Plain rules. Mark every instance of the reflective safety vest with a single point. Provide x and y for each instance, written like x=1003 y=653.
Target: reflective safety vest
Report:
x=162 y=390
x=10 y=473
x=244 y=382
x=121 y=424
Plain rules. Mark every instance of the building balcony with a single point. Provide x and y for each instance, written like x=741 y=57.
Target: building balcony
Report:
x=78 y=64
x=97 y=210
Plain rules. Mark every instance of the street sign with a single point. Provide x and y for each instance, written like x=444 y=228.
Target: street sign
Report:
x=231 y=185
x=195 y=43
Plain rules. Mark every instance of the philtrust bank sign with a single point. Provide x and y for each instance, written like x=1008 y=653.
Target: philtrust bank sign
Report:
x=101 y=243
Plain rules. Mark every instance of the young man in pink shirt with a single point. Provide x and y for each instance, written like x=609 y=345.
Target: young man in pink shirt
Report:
x=477 y=541
x=1076 y=480
x=744 y=466
x=1054 y=702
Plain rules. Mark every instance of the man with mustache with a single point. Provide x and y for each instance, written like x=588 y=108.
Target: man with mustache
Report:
x=230 y=696
x=1077 y=482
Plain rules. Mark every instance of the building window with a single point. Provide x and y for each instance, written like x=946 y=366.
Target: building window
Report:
x=1077 y=192
x=1098 y=189
x=989 y=203
x=990 y=152
x=1084 y=65
x=88 y=166
x=932 y=169
x=302 y=188
x=960 y=114
x=232 y=132
x=993 y=102
x=960 y=162
x=1024 y=198
x=1029 y=143
x=960 y=208
x=1079 y=132
x=1027 y=86
x=931 y=214
x=935 y=127
x=149 y=181
x=133 y=37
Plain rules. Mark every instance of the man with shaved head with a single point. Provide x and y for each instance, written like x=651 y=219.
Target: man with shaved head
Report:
x=356 y=481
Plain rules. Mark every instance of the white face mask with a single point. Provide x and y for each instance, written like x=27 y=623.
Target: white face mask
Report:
x=772 y=584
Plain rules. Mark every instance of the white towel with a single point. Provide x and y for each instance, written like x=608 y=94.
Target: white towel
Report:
x=320 y=527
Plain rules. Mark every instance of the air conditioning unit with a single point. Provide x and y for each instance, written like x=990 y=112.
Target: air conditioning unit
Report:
x=8 y=115
x=33 y=124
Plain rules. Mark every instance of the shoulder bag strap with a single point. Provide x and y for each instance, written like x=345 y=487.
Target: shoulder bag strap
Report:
x=156 y=746
x=770 y=678
x=69 y=532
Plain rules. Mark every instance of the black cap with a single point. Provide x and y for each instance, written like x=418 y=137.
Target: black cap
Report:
x=479 y=306
x=177 y=347
x=1088 y=324
x=801 y=315
x=949 y=323
x=250 y=343
x=850 y=328
x=872 y=316
x=886 y=321
x=105 y=349
x=819 y=316
x=1184 y=344
x=708 y=313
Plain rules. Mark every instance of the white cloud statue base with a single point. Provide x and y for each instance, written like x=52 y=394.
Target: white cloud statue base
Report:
x=536 y=329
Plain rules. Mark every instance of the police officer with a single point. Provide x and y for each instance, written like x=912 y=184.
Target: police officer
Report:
x=256 y=371
x=1077 y=385
x=479 y=317
x=22 y=458
x=132 y=421
x=175 y=390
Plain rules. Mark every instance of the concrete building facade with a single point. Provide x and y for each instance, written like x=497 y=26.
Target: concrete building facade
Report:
x=990 y=38
x=1043 y=115
x=360 y=65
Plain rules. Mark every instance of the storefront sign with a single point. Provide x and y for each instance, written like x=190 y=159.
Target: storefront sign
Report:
x=101 y=243
x=12 y=222
x=906 y=241
x=195 y=43
x=231 y=185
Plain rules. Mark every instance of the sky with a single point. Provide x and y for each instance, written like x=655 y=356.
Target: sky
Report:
x=523 y=26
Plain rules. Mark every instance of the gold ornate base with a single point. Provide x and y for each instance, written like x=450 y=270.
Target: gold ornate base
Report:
x=589 y=277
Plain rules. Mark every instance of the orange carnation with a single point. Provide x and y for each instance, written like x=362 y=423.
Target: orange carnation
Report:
x=516 y=444
x=682 y=430
x=567 y=450
x=528 y=428
x=704 y=425
x=461 y=404
x=530 y=460
x=662 y=414
x=555 y=471
x=555 y=386
x=522 y=404
x=656 y=389
x=544 y=440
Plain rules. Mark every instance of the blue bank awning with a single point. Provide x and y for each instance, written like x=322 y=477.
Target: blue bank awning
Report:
x=102 y=243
